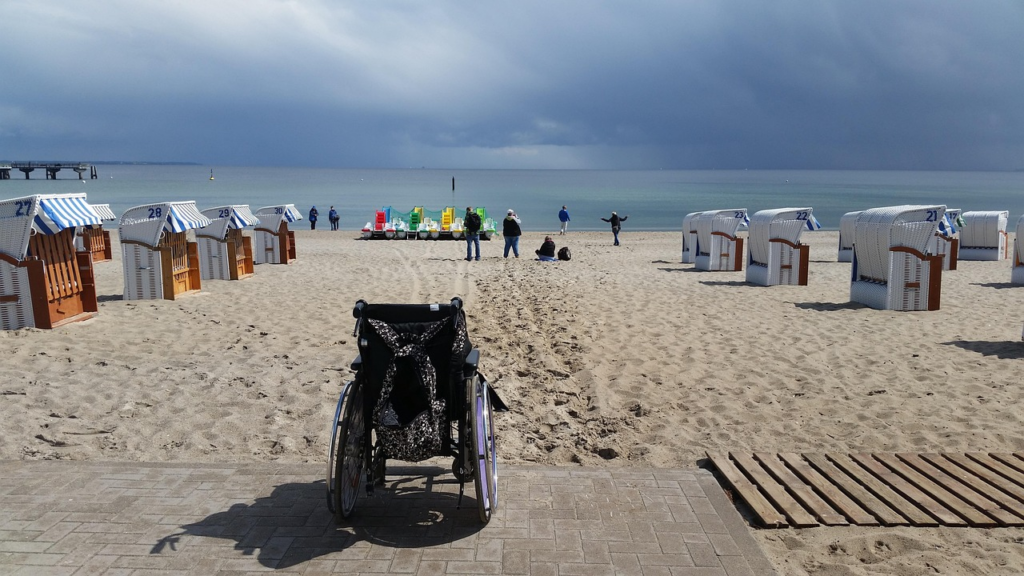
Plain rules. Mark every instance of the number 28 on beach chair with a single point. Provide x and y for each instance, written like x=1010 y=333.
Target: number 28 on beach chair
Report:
x=160 y=263
x=44 y=282
x=891 y=268
x=272 y=242
x=983 y=236
x=776 y=254
x=417 y=394
x=717 y=246
x=94 y=239
x=224 y=252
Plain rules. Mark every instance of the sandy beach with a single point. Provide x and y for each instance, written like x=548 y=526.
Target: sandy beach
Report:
x=622 y=357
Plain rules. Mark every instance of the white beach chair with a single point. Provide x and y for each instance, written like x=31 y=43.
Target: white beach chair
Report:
x=94 y=239
x=891 y=270
x=946 y=242
x=717 y=246
x=44 y=281
x=1017 y=272
x=776 y=254
x=847 y=225
x=983 y=236
x=272 y=242
x=689 y=238
x=224 y=252
x=159 y=260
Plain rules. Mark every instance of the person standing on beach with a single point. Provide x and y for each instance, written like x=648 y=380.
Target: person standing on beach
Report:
x=563 y=217
x=334 y=218
x=616 y=226
x=511 y=231
x=472 y=224
x=313 y=213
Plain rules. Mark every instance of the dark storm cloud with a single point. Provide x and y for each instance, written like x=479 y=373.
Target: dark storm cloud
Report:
x=742 y=84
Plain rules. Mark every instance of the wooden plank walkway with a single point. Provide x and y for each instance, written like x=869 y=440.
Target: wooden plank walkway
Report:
x=884 y=489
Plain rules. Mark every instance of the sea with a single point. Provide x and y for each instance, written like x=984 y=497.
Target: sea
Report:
x=652 y=199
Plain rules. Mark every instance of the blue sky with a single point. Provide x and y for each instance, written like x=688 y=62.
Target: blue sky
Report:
x=813 y=84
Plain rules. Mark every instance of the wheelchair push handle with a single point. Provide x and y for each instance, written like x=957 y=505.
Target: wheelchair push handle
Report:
x=357 y=313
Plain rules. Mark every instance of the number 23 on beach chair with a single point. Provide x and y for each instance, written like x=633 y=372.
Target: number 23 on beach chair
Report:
x=44 y=282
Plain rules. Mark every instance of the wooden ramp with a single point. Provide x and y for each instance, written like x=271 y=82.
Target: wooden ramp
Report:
x=902 y=489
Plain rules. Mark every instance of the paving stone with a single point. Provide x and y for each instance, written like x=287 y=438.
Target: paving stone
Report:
x=115 y=518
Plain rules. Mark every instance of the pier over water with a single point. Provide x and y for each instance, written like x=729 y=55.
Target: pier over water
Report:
x=51 y=168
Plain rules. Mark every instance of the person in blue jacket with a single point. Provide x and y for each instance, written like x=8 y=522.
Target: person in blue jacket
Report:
x=563 y=217
x=313 y=213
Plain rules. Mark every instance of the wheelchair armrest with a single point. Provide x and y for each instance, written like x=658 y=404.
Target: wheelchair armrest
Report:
x=472 y=359
x=357 y=363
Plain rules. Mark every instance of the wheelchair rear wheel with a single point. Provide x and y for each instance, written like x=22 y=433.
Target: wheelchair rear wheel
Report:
x=484 y=455
x=350 y=452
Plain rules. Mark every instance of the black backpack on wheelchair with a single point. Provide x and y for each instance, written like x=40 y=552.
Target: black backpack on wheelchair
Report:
x=417 y=394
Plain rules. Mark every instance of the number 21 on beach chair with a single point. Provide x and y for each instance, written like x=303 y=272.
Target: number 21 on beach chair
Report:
x=891 y=268
x=44 y=282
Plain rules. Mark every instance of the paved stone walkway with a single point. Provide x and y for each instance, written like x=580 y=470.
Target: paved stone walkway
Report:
x=129 y=518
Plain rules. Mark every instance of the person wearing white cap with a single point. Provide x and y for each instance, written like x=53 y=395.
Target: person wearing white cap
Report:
x=511 y=231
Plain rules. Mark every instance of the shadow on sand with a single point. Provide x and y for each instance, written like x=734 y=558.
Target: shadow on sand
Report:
x=1003 y=349
x=415 y=509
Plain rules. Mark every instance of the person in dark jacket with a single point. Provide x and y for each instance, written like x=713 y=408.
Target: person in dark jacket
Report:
x=616 y=226
x=511 y=231
x=334 y=218
x=547 y=250
x=313 y=213
x=472 y=224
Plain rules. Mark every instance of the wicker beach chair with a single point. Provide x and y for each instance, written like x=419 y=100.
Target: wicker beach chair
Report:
x=160 y=263
x=946 y=242
x=891 y=270
x=44 y=281
x=718 y=247
x=689 y=238
x=983 y=236
x=272 y=242
x=1017 y=272
x=847 y=226
x=225 y=253
x=417 y=394
x=94 y=239
x=776 y=254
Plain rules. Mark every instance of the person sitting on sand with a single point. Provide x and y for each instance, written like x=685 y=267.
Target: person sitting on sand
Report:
x=547 y=250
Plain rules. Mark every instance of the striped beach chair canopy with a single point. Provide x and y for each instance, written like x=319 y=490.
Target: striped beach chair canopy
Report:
x=104 y=211
x=146 y=224
x=271 y=216
x=224 y=218
x=41 y=214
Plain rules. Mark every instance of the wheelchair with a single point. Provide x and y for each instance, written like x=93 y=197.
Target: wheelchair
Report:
x=417 y=394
